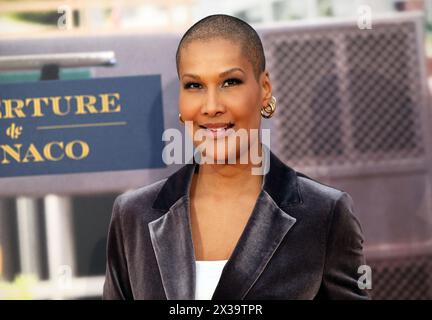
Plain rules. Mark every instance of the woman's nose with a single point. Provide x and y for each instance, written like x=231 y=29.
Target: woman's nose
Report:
x=212 y=104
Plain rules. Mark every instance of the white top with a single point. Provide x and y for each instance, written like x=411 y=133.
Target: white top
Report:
x=208 y=273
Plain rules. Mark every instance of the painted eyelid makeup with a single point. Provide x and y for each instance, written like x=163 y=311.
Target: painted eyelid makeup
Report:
x=186 y=86
x=238 y=81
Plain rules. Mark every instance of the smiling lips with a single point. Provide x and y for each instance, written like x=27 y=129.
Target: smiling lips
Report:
x=217 y=130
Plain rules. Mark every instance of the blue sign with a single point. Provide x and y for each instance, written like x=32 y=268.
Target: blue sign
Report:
x=76 y=126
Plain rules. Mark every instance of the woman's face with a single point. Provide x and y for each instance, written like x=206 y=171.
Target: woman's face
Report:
x=218 y=89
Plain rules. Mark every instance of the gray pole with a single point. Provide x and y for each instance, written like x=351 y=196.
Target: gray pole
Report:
x=28 y=236
x=59 y=231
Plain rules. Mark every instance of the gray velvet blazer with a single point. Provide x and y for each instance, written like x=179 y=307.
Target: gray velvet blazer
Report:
x=302 y=241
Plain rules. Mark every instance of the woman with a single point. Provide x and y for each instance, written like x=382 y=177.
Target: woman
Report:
x=215 y=230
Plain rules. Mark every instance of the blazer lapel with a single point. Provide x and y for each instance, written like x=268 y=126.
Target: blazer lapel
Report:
x=171 y=234
x=173 y=246
x=263 y=233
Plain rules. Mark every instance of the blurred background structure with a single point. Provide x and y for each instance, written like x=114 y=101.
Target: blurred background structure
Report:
x=354 y=111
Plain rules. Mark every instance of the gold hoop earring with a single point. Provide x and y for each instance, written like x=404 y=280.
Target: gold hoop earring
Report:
x=268 y=110
x=180 y=119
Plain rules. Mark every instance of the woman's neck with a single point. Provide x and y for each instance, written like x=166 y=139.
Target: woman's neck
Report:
x=222 y=180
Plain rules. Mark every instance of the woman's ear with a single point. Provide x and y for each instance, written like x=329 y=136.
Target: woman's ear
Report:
x=266 y=88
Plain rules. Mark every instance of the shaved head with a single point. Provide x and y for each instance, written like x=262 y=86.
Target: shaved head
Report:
x=222 y=26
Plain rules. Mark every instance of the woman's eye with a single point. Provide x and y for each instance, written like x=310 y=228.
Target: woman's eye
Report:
x=232 y=82
x=192 y=85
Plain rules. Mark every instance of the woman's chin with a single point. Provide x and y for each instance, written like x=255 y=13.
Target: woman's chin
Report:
x=227 y=157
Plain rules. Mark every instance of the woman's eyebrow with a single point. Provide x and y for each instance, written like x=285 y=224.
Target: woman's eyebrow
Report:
x=191 y=75
x=222 y=74
x=229 y=71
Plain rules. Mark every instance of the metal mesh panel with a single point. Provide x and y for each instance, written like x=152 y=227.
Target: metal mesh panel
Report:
x=406 y=278
x=346 y=96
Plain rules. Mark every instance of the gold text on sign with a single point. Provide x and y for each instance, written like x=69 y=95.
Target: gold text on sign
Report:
x=14 y=131
x=60 y=106
x=52 y=151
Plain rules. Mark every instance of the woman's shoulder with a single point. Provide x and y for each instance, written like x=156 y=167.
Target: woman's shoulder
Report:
x=327 y=202
x=140 y=198
x=317 y=195
x=318 y=188
x=305 y=190
x=146 y=198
